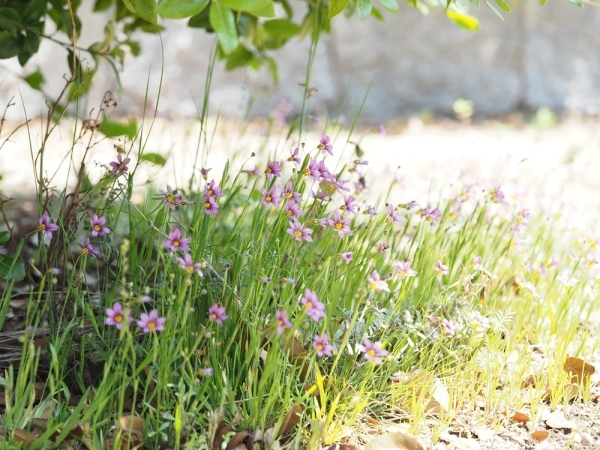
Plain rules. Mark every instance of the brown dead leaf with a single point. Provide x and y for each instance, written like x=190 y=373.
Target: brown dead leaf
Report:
x=291 y=419
x=297 y=353
x=132 y=431
x=520 y=417
x=579 y=370
x=394 y=441
x=24 y=436
x=220 y=437
x=540 y=435
x=236 y=440
x=342 y=446
x=557 y=420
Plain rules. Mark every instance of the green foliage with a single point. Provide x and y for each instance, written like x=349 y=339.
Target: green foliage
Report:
x=11 y=269
x=115 y=129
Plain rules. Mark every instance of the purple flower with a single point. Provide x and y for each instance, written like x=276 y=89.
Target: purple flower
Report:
x=212 y=190
x=210 y=205
x=349 y=205
x=252 y=173
x=98 y=228
x=404 y=269
x=522 y=220
x=119 y=166
x=273 y=169
x=382 y=247
x=324 y=171
x=176 y=242
x=337 y=185
x=373 y=212
x=151 y=322
x=116 y=316
x=282 y=321
x=340 y=225
x=431 y=215
x=216 y=313
x=313 y=307
x=292 y=209
x=441 y=269
x=46 y=226
x=289 y=194
x=372 y=351
x=312 y=170
x=294 y=156
x=270 y=197
x=497 y=195
x=448 y=327
x=376 y=283
x=87 y=248
x=204 y=173
x=298 y=232
x=392 y=216
x=322 y=346
x=325 y=145
x=172 y=199
x=206 y=372
x=381 y=129
x=347 y=256
x=189 y=266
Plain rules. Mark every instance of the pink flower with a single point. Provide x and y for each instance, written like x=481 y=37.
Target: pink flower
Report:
x=325 y=144
x=312 y=170
x=441 y=269
x=294 y=156
x=216 y=313
x=376 y=283
x=382 y=247
x=431 y=215
x=497 y=195
x=392 y=216
x=313 y=307
x=151 y=322
x=210 y=205
x=288 y=192
x=189 y=266
x=176 y=242
x=404 y=269
x=119 y=167
x=349 y=205
x=46 y=226
x=339 y=225
x=372 y=351
x=347 y=256
x=298 y=232
x=172 y=199
x=292 y=209
x=204 y=173
x=282 y=321
x=88 y=249
x=322 y=346
x=206 y=372
x=270 y=197
x=273 y=169
x=448 y=327
x=116 y=316
x=212 y=190
x=98 y=228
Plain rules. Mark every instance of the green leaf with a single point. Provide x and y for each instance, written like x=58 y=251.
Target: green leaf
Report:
x=102 y=5
x=463 y=20
x=336 y=7
x=494 y=10
x=543 y=2
x=247 y=5
x=9 y=46
x=268 y=11
x=364 y=8
x=503 y=5
x=201 y=21
x=390 y=5
x=576 y=3
x=281 y=28
x=240 y=57
x=377 y=14
x=146 y=9
x=4 y=237
x=181 y=9
x=10 y=271
x=35 y=80
x=35 y=12
x=114 y=129
x=10 y=19
x=222 y=20
x=153 y=158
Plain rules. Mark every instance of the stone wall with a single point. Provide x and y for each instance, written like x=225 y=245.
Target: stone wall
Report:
x=539 y=56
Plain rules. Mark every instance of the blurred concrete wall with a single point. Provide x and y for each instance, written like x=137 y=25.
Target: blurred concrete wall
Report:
x=539 y=56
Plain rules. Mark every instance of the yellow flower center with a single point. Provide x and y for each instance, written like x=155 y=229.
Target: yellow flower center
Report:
x=297 y=233
x=403 y=273
x=288 y=212
x=321 y=146
x=308 y=305
x=151 y=326
x=213 y=316
x=319 y=347
x=210 y=192
x=338 y=226
x=373 y=285
x=118 y=318
x=288 y=194
x=371 y=352
x=97 y=228
x=306 y=172
x=268 y=198
x=175 y=243
x=280 y=323
x=41 y=227
x=189 y=269
x=170 y=199
x=84 y=251
x=269 y=170
x=207 y=205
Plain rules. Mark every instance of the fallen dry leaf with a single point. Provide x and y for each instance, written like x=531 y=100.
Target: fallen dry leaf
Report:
x=342 y=446
x=520 y=417
x=236 y=440
x=394 y=441
x=24 y=436
x=557 y=420
x=540 y=435
x=291 y=419
x=580 y=370
x=431 y=390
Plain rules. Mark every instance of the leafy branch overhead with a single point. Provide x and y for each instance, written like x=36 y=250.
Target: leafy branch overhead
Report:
x=247 y=30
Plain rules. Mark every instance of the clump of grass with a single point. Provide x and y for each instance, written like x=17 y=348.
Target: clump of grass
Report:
x=274 y=305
